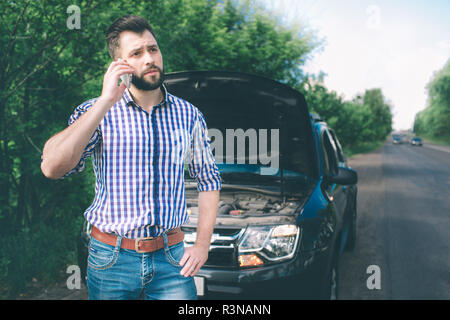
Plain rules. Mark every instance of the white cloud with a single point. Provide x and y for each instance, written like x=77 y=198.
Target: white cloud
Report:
x=444 y=44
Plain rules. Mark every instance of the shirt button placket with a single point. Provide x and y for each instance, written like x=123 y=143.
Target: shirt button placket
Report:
x=154 y=161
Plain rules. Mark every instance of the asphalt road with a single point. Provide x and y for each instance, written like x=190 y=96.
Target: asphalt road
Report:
x=403 y=225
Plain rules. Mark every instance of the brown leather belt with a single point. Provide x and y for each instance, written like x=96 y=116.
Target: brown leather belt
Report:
x=141 y=245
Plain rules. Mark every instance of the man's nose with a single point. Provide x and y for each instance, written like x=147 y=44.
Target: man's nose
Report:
x=149 y=58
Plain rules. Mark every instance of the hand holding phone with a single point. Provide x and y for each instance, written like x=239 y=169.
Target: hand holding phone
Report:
x=111 y=92
x=126 y=78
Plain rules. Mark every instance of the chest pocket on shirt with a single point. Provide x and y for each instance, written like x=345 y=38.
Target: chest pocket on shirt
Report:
x=180 y=142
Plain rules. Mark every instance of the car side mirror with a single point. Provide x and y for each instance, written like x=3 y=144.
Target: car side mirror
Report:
x=345 y=176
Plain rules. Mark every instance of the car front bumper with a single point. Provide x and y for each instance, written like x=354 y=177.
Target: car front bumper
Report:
x=252 y=283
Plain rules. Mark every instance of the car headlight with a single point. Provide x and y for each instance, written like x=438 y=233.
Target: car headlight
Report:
x=272 y=243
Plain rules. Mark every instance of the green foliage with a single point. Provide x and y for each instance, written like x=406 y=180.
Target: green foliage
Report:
x=359 y=124
x=434 y=121
x=38 y=253
x=43 y=78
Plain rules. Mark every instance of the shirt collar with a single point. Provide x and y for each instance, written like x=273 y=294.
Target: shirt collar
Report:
x=129 y=99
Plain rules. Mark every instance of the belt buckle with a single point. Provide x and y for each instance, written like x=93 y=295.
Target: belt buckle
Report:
x=136 y=244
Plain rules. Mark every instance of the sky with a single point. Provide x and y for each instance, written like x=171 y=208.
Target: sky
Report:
x=394 y=45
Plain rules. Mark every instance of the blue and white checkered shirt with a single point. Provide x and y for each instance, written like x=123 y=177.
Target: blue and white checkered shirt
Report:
x=139 y=161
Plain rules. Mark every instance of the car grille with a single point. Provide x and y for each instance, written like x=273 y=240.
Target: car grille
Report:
x=223 y=249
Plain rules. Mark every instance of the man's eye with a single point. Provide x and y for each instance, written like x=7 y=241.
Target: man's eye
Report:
x=136 y=53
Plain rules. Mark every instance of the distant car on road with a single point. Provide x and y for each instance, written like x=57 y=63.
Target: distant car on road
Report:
x=397 y=139
x=416 y=141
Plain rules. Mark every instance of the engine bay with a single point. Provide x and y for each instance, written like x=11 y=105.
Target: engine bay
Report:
x=245 y=207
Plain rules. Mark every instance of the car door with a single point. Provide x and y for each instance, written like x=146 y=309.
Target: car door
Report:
x=335 y=193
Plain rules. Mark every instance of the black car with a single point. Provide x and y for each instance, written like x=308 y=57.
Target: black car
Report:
x=288 y=201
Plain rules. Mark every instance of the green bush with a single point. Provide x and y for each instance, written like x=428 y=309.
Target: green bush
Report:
x=39 y=253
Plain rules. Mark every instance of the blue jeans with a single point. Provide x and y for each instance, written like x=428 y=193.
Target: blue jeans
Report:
x=114 y=273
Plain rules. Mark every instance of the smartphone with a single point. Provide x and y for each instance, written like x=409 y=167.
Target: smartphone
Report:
x=126 y=78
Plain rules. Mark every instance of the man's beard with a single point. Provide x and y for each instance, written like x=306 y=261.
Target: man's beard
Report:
x=142 y=84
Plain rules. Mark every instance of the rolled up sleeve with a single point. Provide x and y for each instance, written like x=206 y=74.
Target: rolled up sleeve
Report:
x=93 y=141
x=202 y=166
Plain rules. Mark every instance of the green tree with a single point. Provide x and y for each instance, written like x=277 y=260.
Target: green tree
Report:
x=434 y=121
x=381 y=113
x=43 y=77
x=360 y=122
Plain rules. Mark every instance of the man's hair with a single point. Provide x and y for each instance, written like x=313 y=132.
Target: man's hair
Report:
x=126 y=23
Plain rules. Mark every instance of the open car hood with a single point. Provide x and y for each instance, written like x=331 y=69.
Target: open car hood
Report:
x=238 y=105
